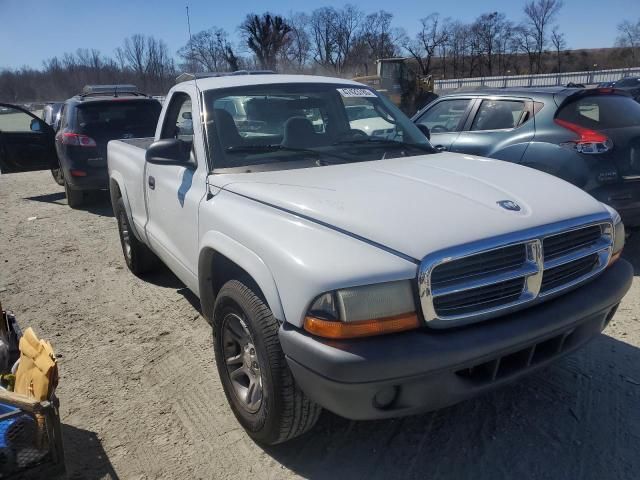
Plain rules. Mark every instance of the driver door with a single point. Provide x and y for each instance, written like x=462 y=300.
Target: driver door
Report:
x=26 y=142
x=445 y=119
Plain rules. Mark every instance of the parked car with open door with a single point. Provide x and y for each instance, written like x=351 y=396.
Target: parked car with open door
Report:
x=26 y=141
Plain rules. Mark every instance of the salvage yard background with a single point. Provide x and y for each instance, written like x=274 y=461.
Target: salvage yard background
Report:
x=140 y=396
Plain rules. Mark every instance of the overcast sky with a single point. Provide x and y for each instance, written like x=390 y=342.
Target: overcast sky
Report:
x=34 y=30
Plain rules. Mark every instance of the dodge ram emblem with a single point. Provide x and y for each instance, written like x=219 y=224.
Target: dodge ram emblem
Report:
x=509 y=205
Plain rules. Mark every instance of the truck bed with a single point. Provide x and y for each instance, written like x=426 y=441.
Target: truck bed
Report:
x=142 y=143
x=126 y=160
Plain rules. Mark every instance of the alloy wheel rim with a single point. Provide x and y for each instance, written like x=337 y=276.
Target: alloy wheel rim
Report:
x=241 y=362
x=124 y=231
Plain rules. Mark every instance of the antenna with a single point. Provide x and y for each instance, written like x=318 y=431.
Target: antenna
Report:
x=203 y=125
x=193 y=56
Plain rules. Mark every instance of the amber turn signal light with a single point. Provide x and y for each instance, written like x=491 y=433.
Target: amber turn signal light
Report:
x=366 y=328
x=614 y=258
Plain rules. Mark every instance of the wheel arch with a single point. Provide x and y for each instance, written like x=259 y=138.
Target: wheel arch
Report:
x=118 y=190
x=222 y=259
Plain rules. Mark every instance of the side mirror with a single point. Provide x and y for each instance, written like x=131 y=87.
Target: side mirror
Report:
x=36 y=125
x=169 y=151
x=425 y=130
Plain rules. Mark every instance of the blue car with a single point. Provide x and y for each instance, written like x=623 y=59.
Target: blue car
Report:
x=589 y=137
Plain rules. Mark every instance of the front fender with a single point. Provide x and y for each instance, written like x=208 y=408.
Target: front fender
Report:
x=216 y=242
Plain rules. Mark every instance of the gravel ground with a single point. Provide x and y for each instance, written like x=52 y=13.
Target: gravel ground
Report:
x=141 y=398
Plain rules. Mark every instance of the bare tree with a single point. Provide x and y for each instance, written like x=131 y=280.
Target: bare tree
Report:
x=432 y=35
x=629 y=37
x=539 y=14
x=378 y=34
x=228 y=52
x=322 y=27
x=266 y=36
x=346 y=31
x=297 y=50
x=524 y=41
x=134 y=54
x=559 y=44
x=209 y=50
x=491 y=30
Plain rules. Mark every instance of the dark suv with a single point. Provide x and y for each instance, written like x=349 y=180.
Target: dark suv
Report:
x=88 y=121
x=589 y=137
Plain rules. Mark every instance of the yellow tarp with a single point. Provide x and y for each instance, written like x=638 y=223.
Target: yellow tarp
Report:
x=37 y=374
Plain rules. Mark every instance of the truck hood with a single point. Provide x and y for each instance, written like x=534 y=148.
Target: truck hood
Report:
x=418 y=205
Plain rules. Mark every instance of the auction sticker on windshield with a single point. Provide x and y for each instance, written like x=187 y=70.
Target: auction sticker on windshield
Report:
x=356 y=92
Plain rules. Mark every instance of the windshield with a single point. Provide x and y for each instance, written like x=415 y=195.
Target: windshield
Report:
x=305 y=124
x=602 y=112
x=118 y=119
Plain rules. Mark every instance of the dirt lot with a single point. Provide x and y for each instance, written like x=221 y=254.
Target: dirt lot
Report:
x=141 y=397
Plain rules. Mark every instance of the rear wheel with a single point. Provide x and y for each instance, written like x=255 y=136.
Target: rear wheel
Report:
x=137 y=255
x=57 y=175
x=255 y=376
x=75 y=198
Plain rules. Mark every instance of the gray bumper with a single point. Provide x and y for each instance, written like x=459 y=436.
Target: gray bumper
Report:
x=413 y=372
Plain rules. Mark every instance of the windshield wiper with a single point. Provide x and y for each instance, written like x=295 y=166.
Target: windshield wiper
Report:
x=385 y=142
x=274 y=147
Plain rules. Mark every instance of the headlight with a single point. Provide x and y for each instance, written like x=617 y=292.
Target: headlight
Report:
x=363 y=311
x=618 y=235
x=618 y=238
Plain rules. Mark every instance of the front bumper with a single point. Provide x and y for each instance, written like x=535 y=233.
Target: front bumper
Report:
x=624 y=197
x=413 y=372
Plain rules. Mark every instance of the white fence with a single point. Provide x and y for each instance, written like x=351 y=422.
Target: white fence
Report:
x=543 y=80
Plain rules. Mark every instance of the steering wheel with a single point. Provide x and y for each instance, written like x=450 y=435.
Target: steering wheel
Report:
x=353 y=134
x=438 y=129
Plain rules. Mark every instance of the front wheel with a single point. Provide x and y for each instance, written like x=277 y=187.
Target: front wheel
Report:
x=255 y=376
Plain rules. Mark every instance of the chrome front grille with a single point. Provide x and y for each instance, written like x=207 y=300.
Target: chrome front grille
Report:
x=474 y=282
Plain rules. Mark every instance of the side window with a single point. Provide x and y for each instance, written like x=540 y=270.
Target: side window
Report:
x=59 y=122
x=178 y=122
x=444 y=116
x=17 y=121
x=498 y=114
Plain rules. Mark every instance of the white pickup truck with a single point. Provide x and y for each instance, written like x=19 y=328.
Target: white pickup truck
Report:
x=366 y=274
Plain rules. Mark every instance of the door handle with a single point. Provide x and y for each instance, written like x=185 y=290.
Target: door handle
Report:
x=440 y=148
x=152 y=182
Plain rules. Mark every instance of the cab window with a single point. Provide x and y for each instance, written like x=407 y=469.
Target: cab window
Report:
x=178 y=122
x=445 y=116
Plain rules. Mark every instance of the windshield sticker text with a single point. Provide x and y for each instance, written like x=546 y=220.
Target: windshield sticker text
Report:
x=356 y=92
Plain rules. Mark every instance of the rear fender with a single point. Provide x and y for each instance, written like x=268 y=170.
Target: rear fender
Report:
x=116 y=183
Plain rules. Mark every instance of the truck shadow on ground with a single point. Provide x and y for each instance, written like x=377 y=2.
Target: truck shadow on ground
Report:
x=576 y=419
x=163 y=277
x=97 y=203
x=85 y=457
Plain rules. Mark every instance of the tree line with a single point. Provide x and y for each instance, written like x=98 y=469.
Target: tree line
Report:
x=343 y=41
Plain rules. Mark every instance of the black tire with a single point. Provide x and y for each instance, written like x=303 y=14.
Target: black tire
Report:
x=58 y=176
x=75 y=198
x=284 y=411
x=138 y=257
